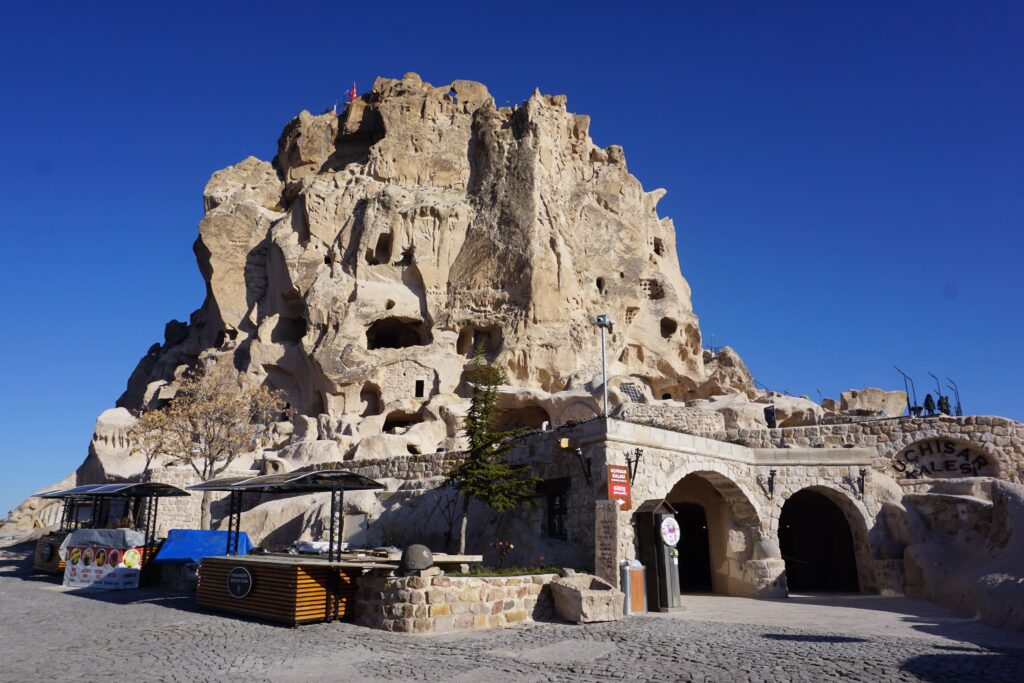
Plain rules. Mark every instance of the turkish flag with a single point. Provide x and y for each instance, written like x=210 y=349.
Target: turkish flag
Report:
x=352 y=94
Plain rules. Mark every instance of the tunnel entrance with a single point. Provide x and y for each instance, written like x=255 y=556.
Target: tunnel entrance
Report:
x=694 y=549
x=816 y=544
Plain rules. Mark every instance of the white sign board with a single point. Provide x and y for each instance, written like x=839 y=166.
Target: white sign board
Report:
x=670 y=531
x=110 y=568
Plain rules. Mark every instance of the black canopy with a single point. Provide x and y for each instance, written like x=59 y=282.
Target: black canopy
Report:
x=292 y=482
x=135 y=490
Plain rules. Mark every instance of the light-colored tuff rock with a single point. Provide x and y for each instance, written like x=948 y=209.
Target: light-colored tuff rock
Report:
x=360 y=269
x=874 y=400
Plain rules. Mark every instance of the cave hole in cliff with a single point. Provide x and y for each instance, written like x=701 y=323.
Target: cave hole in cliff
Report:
x=396 y=333
x=668 y=327
x=659 y=246
x=381 y=253
x=652 y=289
x=600 y=285
x=398 y=421
x=370 y=398
x=527 y=417
x=817 y=544
x=631 y=312
x=472 y=336
x=288 y=330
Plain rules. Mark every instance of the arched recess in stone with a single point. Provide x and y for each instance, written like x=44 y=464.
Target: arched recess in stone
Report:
x=732 y=528
x=857 y=518
x=525 y=417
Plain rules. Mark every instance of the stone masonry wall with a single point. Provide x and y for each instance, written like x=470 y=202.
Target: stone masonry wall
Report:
x=1000 y=437
x=422 y=604
x=673 y=416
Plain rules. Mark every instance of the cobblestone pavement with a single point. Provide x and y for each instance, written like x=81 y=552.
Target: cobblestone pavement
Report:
x=48 y=632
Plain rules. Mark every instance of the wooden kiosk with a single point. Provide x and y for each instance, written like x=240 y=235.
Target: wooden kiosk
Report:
x=106 y=505
x=292 y=589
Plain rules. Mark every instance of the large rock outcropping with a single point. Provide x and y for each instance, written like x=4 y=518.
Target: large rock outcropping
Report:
x=360 y=269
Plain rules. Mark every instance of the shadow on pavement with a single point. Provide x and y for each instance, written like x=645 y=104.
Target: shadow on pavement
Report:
x=813 y=638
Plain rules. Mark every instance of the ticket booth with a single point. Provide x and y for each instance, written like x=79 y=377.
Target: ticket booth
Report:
x=657 y=533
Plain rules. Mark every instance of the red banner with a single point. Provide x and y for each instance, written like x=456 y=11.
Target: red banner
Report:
x=618 y=486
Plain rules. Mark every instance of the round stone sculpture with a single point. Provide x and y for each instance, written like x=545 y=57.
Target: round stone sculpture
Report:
x=417 y=557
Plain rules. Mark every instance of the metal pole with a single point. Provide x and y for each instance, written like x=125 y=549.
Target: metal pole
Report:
x=906 y=390
x=956 y=390
x=604 y=373
x=938 y=389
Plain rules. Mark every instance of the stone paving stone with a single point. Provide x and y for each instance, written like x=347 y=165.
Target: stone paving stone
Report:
x=47 y=632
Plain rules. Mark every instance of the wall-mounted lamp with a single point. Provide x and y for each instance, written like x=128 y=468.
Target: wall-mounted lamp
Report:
x=767 y=484
x=584 y=464
x=860 y=481
x=633 y=464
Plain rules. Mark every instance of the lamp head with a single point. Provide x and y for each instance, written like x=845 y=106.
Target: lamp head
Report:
x=603 y=321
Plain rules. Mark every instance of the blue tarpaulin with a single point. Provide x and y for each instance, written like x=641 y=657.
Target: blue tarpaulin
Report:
x=192 y=545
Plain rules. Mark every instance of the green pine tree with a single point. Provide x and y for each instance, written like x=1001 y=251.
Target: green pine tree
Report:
x=485 y=474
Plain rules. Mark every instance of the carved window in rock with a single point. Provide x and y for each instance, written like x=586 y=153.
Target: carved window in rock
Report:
x=631 y=314
x=652 y=289
x=632 y=391
x=659 y=246
x=420 y=388
x=556 y=507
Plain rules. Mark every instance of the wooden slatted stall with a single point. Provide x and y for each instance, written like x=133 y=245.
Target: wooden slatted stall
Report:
x=288 y=590
x=46 y=558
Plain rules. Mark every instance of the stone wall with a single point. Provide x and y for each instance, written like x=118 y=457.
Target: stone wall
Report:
x=673 y=416
x=416 y=604
x=999 y=437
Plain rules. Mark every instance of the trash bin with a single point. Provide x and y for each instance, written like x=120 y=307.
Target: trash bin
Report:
x=634 y=585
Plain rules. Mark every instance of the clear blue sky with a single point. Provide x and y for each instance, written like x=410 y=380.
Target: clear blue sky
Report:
x=845 y=177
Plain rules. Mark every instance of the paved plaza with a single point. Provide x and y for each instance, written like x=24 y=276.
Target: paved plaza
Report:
x=49 y=632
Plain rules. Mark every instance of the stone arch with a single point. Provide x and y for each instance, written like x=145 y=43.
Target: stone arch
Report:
x=857 y=518
x=730 y=529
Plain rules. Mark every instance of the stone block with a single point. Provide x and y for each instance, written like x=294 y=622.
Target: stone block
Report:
x=440 y=610
x=443 y=624
x=582 y=598
x=481 y=620
x=416 y=597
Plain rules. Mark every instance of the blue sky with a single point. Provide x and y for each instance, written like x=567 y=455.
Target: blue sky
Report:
x=845 y=177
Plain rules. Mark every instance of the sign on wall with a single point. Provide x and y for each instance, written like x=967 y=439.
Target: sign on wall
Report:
x=239 y=582
x=943 y=458
x=618 y=486
x=110 y=568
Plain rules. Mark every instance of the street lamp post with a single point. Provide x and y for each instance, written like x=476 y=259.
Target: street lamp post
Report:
x=605 y=323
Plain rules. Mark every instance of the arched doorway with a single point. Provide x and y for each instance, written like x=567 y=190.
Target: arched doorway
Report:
x=817 y=545
x=717 y=525
x=695 y=549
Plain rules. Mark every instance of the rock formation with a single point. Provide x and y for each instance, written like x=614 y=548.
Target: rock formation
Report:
x=360 y=269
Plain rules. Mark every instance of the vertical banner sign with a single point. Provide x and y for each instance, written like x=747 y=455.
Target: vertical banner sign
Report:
x=618 y=486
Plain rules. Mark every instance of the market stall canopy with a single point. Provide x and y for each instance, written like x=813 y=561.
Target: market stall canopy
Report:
x=129 y=490
x=292 y=482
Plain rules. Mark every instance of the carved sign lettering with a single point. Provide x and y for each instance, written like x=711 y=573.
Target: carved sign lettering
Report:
x=942 y=458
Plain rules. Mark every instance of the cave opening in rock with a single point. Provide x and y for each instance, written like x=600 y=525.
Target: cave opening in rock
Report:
x=527 y=417
x=600 y=285
x=668 y=327
x=471 y=336
x=659 y=246
x=370 y=398
x=380 y=253
x=397 y=421
x=396 y=333
x=817 y=545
